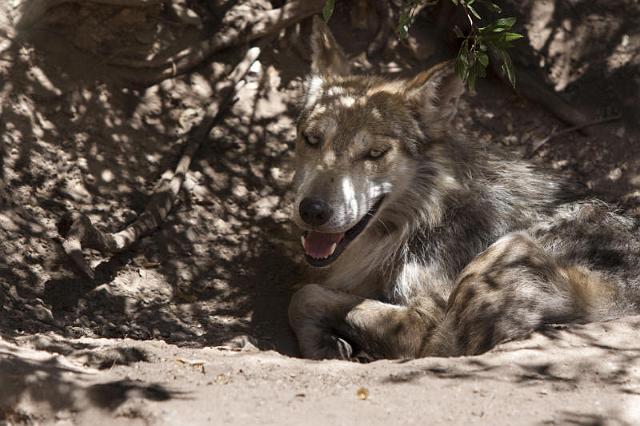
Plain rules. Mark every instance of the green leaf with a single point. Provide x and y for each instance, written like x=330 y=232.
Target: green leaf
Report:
x=483 y=58
x=507 y=67
x=491 y=6
x=327 y=9
x=406 y=17
x=471 y=81
x=512 y=36
x=463 y=53
x=403 y=24
x=490 y=29
x=496 y=42
x=505 y=23
x=481 y=70
x=459 y=69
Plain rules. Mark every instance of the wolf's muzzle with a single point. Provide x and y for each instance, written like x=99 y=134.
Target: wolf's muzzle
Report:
x=314 y=211
x=321 y=249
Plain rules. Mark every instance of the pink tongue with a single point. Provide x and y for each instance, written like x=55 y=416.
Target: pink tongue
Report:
x=318 y=244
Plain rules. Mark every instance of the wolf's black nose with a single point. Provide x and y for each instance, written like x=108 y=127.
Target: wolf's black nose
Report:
x=314 y=211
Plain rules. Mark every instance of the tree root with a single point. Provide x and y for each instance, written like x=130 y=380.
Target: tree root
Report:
x=78 y=232
x=530 y=87
x=239 y=30
x=554 y=134
x=536 y=91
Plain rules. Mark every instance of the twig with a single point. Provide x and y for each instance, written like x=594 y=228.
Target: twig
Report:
x=199 y=363
x=539 y=144
x=192 y=362
x=76 y=228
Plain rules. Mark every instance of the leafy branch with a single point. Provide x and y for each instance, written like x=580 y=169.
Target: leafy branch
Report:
x=479 y=44
x=327 y=10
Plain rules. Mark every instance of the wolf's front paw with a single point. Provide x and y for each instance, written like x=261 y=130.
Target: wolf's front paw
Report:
x=310 y=313
x=327 y=347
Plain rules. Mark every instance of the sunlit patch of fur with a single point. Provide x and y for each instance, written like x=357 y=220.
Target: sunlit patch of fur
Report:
x=314 y=90
x=347 y=101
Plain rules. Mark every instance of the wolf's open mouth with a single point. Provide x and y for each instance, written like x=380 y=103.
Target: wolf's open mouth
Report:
x=321 y=249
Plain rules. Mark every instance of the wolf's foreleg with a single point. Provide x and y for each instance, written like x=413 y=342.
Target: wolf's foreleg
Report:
x=327 y=322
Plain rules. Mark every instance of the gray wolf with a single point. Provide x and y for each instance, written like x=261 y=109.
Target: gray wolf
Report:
x=434 y=245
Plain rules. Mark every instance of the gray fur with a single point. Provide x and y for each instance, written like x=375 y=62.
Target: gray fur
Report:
x=469 y=248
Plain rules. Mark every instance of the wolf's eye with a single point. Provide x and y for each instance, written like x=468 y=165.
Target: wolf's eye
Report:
x=311 y=140
x=374 y=154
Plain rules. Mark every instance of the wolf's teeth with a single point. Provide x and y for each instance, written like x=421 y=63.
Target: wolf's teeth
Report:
x=302 y=239
x=332 y=249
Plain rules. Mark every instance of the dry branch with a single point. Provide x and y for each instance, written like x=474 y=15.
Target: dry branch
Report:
x=536 y=91
x=530 y=87
x=240 y=26
x=554 y=134
x=76 y=228
x=28 y=12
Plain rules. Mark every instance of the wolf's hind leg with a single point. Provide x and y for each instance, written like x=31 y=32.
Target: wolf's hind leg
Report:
x=511 y=289
x=324 y=320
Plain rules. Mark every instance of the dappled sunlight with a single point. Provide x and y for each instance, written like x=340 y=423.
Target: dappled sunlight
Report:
x=78 y=139
x=626 y=53
x=550 y=364
x=573 y=39
x=63 y=384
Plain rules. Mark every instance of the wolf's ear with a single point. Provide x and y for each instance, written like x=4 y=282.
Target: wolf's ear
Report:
x=327 y=58
x=435 y=93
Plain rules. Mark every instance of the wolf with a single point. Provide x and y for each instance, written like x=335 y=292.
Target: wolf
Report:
x=434 y=245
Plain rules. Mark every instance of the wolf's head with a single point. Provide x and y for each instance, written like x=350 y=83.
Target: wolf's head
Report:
x=361 y=141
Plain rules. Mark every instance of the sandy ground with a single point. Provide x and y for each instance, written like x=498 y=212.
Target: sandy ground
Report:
x=582 y=375
x=189 y=327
